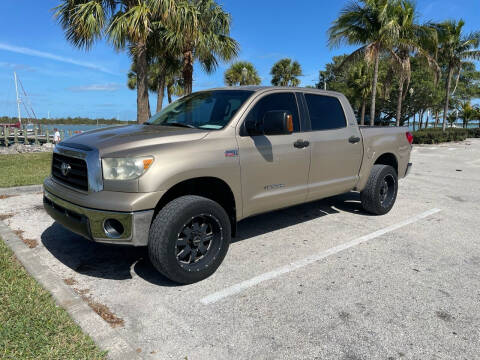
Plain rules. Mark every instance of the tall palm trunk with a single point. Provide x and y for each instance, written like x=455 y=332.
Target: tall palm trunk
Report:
x=426 y=121
x=420 y=120
x=414 y=119
x=362 y=116
x=374 y=88
x=399 y=103
x=188 y=71
x=160 y=92
x=169 y=93
x=143 y=103
x=436 y=118
x=447 y=97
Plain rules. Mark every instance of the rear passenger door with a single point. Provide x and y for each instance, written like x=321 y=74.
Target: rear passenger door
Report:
x=274 y=171
x=336 y=147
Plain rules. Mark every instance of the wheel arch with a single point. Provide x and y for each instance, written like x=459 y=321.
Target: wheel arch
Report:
x=212 y=188
x=387 y=159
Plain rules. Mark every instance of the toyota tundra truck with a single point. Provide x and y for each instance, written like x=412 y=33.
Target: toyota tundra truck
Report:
x=180 y=182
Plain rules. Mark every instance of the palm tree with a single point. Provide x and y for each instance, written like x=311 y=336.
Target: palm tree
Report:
x=132 y=78
x=163 y=73
x=175 y=86
x=468 y=112
x=359 y=80
x=411 y=38
x=286 y=72
x=242 y=73
x=455 y=48
x=200 y=32
x=125 y=23
x=371 y=24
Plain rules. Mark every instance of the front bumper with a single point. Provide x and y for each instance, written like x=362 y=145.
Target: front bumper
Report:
x=90 y=223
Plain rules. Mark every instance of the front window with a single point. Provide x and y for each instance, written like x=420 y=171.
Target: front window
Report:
x=283 y=101
x=208 y=110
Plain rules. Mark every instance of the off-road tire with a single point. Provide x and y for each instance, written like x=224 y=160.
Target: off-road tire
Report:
x=372 y=195
x=164 y=233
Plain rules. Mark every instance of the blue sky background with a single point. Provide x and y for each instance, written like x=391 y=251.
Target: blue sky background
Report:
x=71 y=82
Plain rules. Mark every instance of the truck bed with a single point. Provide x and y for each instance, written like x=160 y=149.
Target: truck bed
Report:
x=384 y=140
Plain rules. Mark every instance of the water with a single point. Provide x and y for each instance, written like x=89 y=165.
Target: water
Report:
x=72 y=128
x=459 y=126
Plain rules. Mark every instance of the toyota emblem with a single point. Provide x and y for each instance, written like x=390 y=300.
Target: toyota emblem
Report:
x=65 y=168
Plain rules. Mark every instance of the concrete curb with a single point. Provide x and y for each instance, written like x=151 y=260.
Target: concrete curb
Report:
x=103 y=335
x=18 y=190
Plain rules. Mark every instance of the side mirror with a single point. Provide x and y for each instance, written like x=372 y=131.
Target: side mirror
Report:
x=252 y=127
x=277 y=122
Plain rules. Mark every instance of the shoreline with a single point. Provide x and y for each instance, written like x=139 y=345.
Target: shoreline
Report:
x=22 y=149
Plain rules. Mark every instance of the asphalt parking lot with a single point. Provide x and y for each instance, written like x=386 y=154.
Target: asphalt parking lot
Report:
x=318 y=281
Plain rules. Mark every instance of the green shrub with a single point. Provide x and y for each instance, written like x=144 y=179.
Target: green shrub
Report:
x=436 y=136
x=474 y=133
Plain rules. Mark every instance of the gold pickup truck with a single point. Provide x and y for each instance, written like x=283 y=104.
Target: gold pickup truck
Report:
x=180 y=182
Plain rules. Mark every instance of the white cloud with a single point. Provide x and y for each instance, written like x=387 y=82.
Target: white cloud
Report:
x=46 y=55
x=21 y=67
x=96 y=87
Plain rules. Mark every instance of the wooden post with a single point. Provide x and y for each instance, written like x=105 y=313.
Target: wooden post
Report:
x=5 y=133
x=69 y=133
x=25 y=135
x=47 y=136
x=36 y=136
x=15 y=136
x=62 y=135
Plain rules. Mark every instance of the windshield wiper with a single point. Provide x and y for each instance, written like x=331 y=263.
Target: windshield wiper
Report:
x=181 y=125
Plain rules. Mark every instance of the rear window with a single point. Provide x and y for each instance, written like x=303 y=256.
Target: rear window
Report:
x=326 y=112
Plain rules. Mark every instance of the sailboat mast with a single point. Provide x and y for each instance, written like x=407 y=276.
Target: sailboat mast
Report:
x=18 y=99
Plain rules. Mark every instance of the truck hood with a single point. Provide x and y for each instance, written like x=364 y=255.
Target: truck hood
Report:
x=124 y=138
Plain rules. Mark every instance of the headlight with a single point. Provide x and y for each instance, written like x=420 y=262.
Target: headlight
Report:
x=125 y=168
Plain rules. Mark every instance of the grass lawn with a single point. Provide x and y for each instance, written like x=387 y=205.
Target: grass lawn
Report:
x=31 y=325
x=24 y=169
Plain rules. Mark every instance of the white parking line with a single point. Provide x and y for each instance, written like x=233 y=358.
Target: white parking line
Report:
x=235 y=289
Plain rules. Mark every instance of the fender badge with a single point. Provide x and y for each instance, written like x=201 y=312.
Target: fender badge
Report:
x=231 y=153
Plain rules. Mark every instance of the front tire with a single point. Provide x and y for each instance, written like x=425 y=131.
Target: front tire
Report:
x=189 y=239
x=381 y=190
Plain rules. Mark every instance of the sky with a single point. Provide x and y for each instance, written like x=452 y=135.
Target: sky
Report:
x=63 y=81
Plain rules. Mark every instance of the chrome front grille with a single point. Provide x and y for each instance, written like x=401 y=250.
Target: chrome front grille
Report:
x=71 y=171
x=77 y=166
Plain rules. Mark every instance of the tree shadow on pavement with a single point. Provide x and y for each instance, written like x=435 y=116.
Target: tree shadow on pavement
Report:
x=119 y=262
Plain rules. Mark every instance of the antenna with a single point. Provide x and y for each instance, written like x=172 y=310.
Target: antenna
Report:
x=18 y=99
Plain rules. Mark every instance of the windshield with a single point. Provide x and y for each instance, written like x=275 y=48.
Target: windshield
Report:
x=209 y=110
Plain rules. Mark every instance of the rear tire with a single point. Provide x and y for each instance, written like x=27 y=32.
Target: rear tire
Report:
x=381 y=190
x=189 y=239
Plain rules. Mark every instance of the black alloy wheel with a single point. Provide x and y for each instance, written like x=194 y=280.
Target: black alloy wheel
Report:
x=198 y=242
x=189 y=238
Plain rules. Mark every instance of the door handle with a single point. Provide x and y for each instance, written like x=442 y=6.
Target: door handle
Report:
x=354 y=139
x=299 y=144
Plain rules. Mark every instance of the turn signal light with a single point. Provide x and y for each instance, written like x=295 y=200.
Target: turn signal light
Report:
x=147 y=163
x=290 y=123
x=409 y=137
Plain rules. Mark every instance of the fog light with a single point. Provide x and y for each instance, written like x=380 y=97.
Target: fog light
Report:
x=113 y=228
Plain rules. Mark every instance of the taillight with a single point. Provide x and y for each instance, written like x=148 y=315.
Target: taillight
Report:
x=409 y=137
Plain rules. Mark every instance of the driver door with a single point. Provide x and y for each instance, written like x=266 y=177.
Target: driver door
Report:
x=274 y=168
